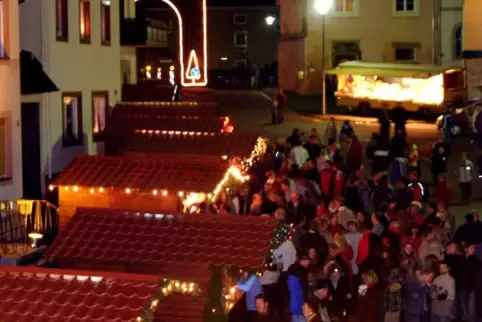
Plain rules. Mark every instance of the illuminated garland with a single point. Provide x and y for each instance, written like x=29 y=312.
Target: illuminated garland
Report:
x=282 y=233
x=165 y=288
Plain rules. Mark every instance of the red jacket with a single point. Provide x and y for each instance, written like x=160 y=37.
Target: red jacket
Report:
x=364 y=247
x=326 y=178
x=338 y=229
x=338 y=185
x=442 y=193
x=417 y=190
x=416 y=242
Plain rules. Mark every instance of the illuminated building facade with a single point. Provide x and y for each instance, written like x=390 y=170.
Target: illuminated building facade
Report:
x=10 y=125
x=78 y=44
x=368 y=30
x=472 y=45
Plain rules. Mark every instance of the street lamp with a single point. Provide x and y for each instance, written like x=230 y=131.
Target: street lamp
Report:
x=323 y=7
x=270 y=20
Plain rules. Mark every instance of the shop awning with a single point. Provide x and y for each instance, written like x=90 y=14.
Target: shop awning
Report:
x=387 y=70
x=33 y=79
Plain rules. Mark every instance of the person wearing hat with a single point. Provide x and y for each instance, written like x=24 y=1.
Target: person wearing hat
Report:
x=340 y=294
x=321 y=294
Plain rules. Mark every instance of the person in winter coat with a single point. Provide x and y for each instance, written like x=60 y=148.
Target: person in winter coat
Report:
x=382 y=193
x=370 y=295
x=443 y=294
x=414 y=159
x=398 y=145
x=327 y=178
x=330 y=132
x=414 y=295
x=340 y=291
x=440 y=156
x=403 y=195
x=384 y=122
x=354 y=154
x=430 y=245
x=412 y=238
x=339 y=181
x=298 y=287
x=346 y=130
x=344 y=213
x=409 y=261
x=353 y=199
x=310 y=311
x=313 y=239
x=419 y=190
x=353 y=237
x=442 y=192
x=313 y=147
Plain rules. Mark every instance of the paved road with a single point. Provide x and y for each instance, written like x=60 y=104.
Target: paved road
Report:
x=250 y=111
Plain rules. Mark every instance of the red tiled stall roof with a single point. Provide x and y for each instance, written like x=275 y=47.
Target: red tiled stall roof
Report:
x=128 y=124
x=237 y=144
x=158 y=240
x=39 y=294
x=142 y=174
x=168 y=108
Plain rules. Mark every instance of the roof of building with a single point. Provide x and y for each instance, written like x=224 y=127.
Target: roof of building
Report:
x=167 y=108
x=127 y=124
x=40 y=294
x=141 y=174
x=239 y=144
x=159 y=240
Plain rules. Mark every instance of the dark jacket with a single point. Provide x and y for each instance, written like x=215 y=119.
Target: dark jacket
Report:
x=353 y=199
x=300 y=212
x=339 y=303
x=314 y=240
x=369 y=305
x=403 y=198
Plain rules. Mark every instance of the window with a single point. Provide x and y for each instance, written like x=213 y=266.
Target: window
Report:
x=3 y=148
x=105 y=21
x=344 y=5
x=72 y=119
x=62 y=20
x=84 y=21
x=240 y=19
x=241 y=39
x=458 y=42
x=402 y=6
x=100 y=112
x=407 y=54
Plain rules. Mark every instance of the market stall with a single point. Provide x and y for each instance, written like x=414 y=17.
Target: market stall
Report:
x=140 y=184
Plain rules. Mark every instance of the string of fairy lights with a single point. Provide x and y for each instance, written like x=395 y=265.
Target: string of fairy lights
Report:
x=236 y=172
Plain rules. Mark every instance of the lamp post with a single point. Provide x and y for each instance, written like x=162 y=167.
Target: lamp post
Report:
x=323 y=7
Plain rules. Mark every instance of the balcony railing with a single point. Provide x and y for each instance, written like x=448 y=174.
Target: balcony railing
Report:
x=27 y=224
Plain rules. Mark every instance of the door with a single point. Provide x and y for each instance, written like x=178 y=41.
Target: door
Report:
x=31 y=165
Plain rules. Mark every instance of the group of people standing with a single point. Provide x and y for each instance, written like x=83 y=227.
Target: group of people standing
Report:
x=368 y=248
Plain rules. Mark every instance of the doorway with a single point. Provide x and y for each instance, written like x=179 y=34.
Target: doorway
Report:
x=31 y=165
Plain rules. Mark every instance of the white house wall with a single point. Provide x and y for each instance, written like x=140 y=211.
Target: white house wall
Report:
x=10 y=106
x=450 y=18
x=73 y=67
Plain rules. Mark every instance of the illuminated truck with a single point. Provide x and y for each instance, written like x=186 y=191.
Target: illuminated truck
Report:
x=418 y=88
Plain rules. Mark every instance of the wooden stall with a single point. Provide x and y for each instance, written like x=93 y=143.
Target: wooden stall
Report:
x=197 y=148
x=140 y=184
x=169 y=108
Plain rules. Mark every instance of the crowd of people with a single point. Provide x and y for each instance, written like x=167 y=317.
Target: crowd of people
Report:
x=368 y=247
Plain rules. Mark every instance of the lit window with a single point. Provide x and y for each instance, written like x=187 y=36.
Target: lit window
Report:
x=344 y=5
x=72 y=119
x=100 y=112
x=407 y=54
x=84 y=21
x=241 y=39
x=105 y=21
x=458 y=42
x=240 y=19
x=404 y=5
x=3 y=148
x=62 y=20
